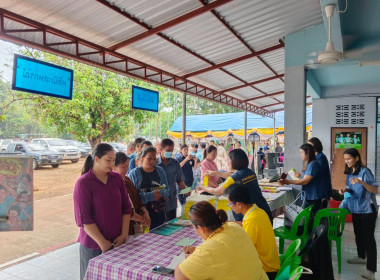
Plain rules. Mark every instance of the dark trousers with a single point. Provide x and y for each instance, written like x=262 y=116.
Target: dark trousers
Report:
x=156 y=218
x=170 y=215
x=86 y=254
x=272 y=275
x=364 y=229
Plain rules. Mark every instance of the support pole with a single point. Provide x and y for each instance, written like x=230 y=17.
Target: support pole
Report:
x=184 y=118
x=245 y=132
x=274 y=134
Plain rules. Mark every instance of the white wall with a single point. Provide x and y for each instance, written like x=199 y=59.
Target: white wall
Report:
x=324 y=117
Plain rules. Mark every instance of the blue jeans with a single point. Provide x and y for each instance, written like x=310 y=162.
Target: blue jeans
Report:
x=86 y=254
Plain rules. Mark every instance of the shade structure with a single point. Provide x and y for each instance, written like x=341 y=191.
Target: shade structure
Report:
x=222 y=126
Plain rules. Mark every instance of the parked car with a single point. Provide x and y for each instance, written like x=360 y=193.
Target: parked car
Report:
x=84 y=148
x=119 y=147
x=4 y=144
x=41 y=156
x=58 y=145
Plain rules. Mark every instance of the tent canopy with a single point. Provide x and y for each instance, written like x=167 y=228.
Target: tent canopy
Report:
x=223 y=125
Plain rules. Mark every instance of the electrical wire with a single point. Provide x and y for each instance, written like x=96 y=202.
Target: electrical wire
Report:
x=345 y=8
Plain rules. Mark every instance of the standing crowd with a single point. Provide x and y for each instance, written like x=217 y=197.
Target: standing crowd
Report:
x=122 y=195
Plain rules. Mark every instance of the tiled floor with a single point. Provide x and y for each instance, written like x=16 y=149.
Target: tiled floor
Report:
x=64 y=263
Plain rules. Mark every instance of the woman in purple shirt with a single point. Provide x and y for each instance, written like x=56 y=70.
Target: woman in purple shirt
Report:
x=101 y=206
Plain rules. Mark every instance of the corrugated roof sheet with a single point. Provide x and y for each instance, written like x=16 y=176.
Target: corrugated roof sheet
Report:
x=260 y=23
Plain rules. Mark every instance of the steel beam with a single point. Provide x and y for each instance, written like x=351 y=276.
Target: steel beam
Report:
x=273 y=104
x=235 y=60
x=162 y=78
x=169 y=24
x=264 y=96
x=254 y=83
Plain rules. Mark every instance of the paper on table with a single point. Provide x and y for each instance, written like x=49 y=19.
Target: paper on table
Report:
x=185 y=190
x=177 y=260
x=284 y=188
x=186 y=242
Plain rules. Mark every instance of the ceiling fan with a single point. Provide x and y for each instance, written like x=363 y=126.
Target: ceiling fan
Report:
x=330 y=54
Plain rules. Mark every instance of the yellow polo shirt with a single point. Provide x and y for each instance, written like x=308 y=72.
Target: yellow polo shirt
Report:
x=228 y=254
x=259 y=228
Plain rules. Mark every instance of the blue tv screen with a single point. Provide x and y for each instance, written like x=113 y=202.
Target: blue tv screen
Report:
x=40 y=77
x=144 y=99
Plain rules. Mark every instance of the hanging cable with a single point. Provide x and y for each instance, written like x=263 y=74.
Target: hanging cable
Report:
x=345 y=8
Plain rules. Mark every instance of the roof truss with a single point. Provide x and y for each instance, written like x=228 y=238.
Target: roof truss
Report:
x=108 y=59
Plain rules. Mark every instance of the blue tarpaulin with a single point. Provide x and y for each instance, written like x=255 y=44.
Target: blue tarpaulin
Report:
x=233 y=121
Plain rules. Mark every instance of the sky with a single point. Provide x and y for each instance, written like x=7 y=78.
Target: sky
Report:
x=6 y=57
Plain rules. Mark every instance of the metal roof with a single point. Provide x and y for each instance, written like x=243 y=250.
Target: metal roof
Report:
x=228 y=51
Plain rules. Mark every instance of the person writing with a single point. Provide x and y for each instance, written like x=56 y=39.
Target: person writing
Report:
x=326 y=187
x=362 y=204
x=226 y=253
x=208 y=165
x=101 y=206
x=310 y=176
x=258 y=226
x=239 y=162
x=140 y=215
x=152 y=185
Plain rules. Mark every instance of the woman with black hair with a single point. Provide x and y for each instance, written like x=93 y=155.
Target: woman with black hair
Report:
x=151 y=182
x=226 y=253
x=361 y=201
x=239 y=162
x=309 y=179
x=140 y=215
x=325 y=189
x=208 y=164
x=101 y=206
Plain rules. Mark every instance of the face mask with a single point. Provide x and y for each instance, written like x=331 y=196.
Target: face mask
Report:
x=168 y=154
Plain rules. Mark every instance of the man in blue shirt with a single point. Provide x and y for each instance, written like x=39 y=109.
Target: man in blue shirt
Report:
x=144 y=144
x=138 y=148
x=173 y=174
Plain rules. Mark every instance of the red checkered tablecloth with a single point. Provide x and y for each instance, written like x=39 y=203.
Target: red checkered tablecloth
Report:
x=136 y=259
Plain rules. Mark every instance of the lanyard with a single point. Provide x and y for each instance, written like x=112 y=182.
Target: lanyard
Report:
x=246 y=215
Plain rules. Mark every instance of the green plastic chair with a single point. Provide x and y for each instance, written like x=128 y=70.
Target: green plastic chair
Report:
x=336 y=221
x=291 y=251
x=283 y=233
x=290 y=257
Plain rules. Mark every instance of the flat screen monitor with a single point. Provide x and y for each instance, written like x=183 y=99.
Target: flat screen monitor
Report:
x=144 y=99
x=40 y=77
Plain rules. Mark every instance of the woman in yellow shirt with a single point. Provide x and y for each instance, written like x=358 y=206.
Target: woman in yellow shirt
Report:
x=227 y=253
x=258 y=226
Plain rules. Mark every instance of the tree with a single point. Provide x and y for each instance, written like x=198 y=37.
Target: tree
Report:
x=100 y=108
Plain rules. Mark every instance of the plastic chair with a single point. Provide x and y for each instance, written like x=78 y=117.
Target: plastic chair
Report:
x=336 y=221
x=291 y=251
x=283 y=233
x=290 y=258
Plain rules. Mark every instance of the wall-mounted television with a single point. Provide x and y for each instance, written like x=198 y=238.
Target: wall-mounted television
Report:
x=40 y=77
x=144 y=99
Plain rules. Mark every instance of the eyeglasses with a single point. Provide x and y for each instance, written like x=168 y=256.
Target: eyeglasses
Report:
x=230 y=204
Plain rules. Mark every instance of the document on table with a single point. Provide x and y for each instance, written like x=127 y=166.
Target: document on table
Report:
x=177 y=260
x=186 y=242
x=185 y=190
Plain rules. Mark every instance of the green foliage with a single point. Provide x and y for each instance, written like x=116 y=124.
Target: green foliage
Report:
x=100 y=109
x=18 y=118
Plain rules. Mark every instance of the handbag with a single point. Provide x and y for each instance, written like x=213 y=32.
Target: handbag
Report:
x=293 y=209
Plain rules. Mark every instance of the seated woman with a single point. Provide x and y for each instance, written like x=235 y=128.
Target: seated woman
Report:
x=152 y=185
x=257 y=224
x=239 y=162
x=310 y=176
x=226 y=253
x=140 y=216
